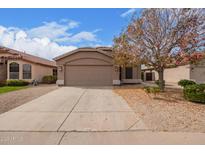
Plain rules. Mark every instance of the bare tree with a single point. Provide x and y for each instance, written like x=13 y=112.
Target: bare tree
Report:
x=159 y=38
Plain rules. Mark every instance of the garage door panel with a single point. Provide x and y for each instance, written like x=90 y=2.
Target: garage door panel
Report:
x=88 y=75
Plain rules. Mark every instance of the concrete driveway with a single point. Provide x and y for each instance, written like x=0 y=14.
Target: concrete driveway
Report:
x=74 y=115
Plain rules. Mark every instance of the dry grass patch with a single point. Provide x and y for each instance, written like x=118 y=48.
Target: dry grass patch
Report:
x=166 y=111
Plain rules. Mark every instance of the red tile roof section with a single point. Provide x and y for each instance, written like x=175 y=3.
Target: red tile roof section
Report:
x=28 y=57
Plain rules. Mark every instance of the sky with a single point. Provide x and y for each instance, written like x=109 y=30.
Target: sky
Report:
x=51 y=32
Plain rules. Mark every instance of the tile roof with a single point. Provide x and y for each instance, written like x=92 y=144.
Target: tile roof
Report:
x=28 y=57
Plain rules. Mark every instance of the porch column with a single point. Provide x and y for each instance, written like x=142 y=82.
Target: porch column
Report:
x=116 y=75
x=60 y=74
x=8 y=70
x=20 y=71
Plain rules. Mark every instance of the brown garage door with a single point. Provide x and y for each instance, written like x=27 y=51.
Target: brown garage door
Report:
x=88 y=75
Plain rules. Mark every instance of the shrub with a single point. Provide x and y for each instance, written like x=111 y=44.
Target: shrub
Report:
x=2 y=83
x=184 y=83
x=195 y=93
x=153 y=90
x=157 y=82
x=49 y=79
x=17 y=83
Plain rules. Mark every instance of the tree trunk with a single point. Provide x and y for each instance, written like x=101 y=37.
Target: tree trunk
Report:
x=161 y=79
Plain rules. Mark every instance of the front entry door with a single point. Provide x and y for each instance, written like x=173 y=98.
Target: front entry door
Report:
x=128 y=73
x=148 y=76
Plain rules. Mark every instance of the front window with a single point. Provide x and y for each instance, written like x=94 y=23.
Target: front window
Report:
x=55 y=72
x=14 y=70
x=148 y=76
x=26 y=71
x=128 y=72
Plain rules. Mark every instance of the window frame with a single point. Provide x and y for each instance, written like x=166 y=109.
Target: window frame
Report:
x=27 y=72
x=55 y=72
x=12 y=71
x=149 y=76
x=129 y=72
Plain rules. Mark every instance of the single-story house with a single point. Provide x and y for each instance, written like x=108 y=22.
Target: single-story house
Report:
x=20 y=65
x=93 y=67
x=195 y=72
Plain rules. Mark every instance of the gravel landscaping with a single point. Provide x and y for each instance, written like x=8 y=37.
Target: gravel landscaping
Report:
x=13 y=99
x=166 y=111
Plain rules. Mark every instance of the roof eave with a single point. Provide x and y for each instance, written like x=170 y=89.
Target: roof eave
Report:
x=78 y=50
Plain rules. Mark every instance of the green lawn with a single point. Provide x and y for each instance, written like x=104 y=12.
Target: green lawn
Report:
x=11 y=88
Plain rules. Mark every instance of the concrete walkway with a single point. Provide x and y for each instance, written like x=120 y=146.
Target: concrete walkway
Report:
x=71 y=115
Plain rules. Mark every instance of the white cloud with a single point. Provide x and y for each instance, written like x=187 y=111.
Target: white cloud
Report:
x=79 y=37
x=72 y=24
x=58 y=32
x=46 y=40
x=21 y=35
x=7 y=36
x=84 y=36
x=2 y=29
x=42 y=47
x=51 y=30
x=128 y=13
x=99 y=45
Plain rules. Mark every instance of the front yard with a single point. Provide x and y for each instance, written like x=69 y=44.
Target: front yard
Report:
x=6 y=89
x=166 y=111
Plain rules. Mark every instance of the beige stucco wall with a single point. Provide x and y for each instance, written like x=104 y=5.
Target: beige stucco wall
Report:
x=189 y=72
x=197 y=72
x=173 y=75
x=37 y=70
x=40 y=71
x=3 y=72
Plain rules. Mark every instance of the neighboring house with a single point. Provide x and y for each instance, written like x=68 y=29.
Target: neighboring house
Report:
x=173 y=75
x=20 y=65
x=93 y=66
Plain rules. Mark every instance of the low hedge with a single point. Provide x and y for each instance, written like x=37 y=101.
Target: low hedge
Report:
x=195 y=93
x=49 y=79
x=184 y=83
x=2 y=83
x=153 y=90
x=157 y=82
x=16 y=83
